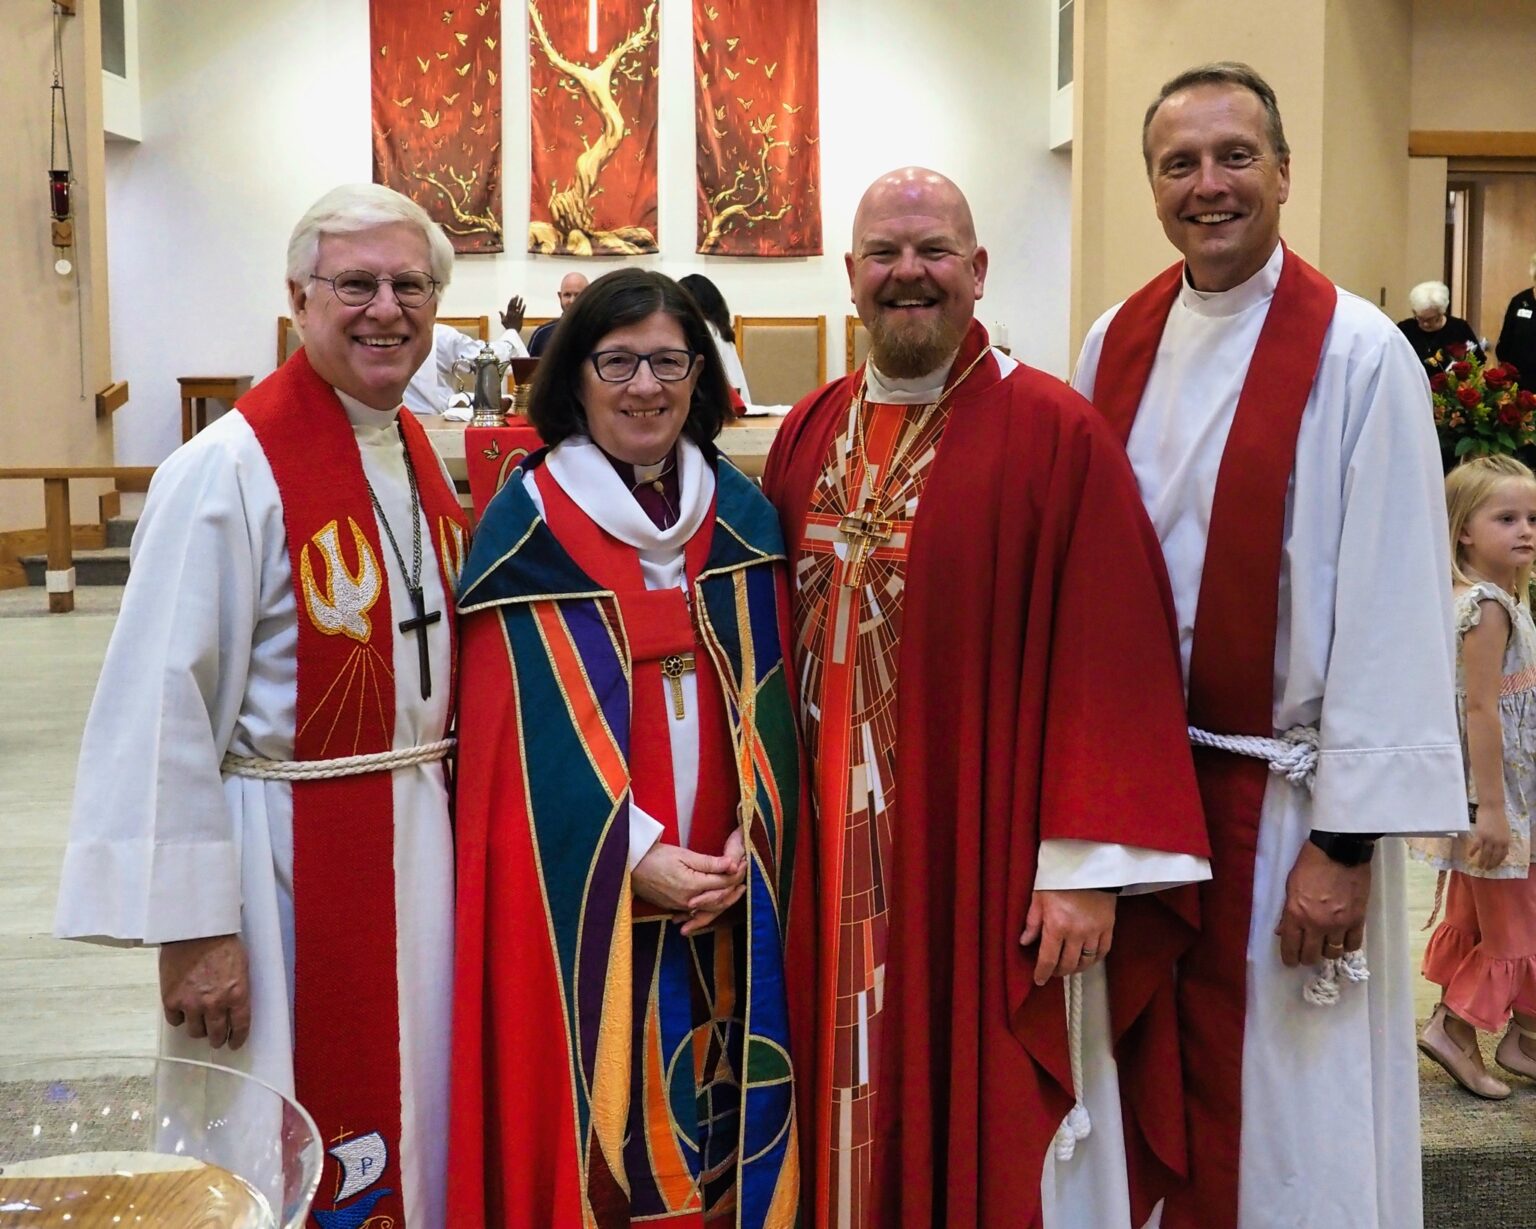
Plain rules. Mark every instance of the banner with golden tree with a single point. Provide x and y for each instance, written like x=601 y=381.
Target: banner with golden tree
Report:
x=592 y=77
x=759 y=161
x=437 y=112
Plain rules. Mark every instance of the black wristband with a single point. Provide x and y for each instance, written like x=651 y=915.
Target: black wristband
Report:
x=1345 y=848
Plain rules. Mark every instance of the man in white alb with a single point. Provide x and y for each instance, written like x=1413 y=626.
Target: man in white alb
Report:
x=1281 y=435
x=290 y=611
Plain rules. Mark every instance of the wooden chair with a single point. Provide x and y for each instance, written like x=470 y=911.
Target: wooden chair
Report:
x=288 y=339
x=784 y=357
x=855 y=342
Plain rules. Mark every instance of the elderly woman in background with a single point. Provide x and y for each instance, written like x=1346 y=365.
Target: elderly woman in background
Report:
x=1517 y=339
x=629 y=786
x=1431 y=330
x=718 y=317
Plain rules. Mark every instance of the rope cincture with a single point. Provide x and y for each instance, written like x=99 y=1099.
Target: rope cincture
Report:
x=344 y=766
x=1294 y=756
x=1076 y=1126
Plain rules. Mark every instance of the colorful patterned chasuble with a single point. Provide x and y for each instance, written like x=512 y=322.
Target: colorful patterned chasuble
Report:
x=849 y=584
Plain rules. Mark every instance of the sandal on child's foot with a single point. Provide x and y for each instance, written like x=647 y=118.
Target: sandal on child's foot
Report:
x=1512 y=1056
x=1463 y=1066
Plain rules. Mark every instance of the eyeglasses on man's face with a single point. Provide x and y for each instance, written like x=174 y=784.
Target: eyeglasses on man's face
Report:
x=356 y=287
x=668 y=366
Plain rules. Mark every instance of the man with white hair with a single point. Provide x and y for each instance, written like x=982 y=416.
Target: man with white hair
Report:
x=261 y=791
x=1432 y=331
x=1517 y=339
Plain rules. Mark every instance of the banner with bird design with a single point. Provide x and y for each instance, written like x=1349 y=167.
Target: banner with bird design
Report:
x=437 y=112
x=759 y=128
x=592 y=81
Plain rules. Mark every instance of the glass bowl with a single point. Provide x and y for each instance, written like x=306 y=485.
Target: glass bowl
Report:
x=150 y=1143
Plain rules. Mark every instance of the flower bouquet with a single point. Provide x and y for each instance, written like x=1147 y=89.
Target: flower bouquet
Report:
x=1479 y=409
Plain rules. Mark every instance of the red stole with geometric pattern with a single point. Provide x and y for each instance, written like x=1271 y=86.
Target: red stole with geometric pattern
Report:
x=658 y=624
x=1231 y=684
x=346 y=992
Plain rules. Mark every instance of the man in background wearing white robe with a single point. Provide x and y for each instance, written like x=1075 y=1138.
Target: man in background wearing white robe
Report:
x=167 y=844
x=1329 y=1107
x=432 y=387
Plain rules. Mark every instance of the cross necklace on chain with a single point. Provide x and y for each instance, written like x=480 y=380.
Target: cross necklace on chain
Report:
x=423 y=618
x=869 y=527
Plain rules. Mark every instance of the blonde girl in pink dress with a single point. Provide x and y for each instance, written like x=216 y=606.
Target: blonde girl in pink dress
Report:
x=1483 y=954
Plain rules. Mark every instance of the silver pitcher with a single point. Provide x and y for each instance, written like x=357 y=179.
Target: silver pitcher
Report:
x=487 y=371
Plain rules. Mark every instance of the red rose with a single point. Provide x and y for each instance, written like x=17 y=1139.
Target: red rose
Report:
x=1509 y=416
x=1461 y=370
x=1457 y=349
x=1468 y=397
x=1438 y=381
x=1497 y=377
x=1527 y=399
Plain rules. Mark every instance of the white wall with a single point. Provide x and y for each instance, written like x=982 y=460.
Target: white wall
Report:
x=251 y=111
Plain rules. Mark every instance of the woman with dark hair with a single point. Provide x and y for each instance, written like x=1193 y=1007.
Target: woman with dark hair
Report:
x=629 y=785
x=718 y=316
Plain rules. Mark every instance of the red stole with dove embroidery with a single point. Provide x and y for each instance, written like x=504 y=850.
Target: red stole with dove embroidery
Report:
x=346 y=992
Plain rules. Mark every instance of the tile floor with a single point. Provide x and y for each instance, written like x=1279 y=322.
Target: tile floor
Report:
x=55 y=997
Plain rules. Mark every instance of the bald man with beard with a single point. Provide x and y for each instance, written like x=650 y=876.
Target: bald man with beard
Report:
x=991 y=699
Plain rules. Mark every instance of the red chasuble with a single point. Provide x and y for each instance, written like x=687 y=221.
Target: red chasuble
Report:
x=1035 y=694
x=1231 y=683
x=346 y=994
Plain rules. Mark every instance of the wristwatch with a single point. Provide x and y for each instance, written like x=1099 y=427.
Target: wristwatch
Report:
x=1345 y=848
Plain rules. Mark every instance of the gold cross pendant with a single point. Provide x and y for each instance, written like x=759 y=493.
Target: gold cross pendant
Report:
x=865 y=531
x=674 y=667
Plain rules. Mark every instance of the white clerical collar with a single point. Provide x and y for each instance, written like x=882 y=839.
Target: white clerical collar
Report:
x=367 y=422
x=883 y=390
x=584 y=472
x=1257 y=289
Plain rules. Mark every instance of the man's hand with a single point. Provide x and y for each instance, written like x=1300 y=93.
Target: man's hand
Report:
x=687 y=883
x=512 y=318
x=1074 y=928
x=1324 y=914
x=205 y=985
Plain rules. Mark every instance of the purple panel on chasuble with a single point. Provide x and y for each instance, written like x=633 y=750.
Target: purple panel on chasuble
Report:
x=595 y=646
x=610 y=687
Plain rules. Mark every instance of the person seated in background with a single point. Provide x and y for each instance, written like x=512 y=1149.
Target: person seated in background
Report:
x=1517 y=339
x=432 y=386
x=1431 y=330
x=571 y=285
x=718 y=316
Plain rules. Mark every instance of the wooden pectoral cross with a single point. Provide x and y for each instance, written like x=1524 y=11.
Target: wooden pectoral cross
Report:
x=419 y=623
x=865 y=532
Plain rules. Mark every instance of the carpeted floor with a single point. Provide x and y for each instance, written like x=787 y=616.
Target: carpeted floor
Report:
x=1479 y=1156
x=107 y=1114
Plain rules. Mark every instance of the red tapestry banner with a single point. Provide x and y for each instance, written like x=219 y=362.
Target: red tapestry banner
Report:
x=437 y=112
x=592 y=77
x=759 y=165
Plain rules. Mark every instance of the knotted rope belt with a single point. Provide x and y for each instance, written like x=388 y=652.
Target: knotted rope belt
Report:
x=344 y=766
x=1293 y=756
